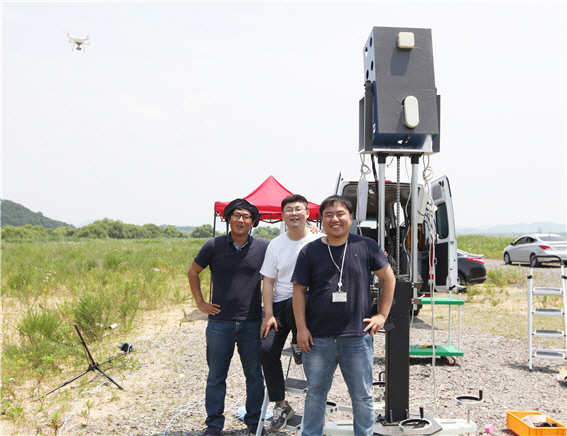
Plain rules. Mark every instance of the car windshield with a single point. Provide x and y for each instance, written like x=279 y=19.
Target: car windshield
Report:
x=553 y=238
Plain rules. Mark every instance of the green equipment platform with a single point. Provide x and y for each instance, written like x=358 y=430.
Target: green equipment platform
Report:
x=441 y=350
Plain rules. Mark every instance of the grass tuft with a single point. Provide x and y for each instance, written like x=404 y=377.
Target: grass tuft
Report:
x=502 y=277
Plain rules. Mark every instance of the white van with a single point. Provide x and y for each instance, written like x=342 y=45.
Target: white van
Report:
x=445 y=252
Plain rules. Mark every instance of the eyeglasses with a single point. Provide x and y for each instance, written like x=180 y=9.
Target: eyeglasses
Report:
x=237 y=216
x=294 y=209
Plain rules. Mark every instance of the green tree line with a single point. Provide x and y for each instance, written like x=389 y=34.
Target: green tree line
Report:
x=106 y=228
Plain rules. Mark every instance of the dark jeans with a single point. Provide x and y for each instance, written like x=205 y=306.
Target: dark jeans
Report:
x=221 y=338
x=272 y=346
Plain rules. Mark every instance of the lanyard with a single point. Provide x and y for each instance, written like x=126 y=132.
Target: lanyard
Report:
x=340 y=284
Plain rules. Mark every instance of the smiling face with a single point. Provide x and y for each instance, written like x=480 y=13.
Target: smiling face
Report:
x=295 y=215
x=336 y=222
x=241 y=222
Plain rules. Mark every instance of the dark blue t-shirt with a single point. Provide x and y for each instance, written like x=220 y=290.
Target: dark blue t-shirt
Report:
x=315 y=269
x=236 y=277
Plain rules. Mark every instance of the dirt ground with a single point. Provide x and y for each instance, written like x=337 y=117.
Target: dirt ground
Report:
x=164 y=393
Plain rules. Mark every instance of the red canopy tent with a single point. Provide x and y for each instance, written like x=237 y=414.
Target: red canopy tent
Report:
x=268 y=199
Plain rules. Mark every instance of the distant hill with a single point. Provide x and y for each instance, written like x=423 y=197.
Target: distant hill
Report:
x=508 y=229
x=14 y=214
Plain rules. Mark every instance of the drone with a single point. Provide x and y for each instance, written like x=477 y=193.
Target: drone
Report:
x=79 y=41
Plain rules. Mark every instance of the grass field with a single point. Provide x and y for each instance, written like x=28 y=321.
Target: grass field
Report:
x=48 y=285
x=491 y=246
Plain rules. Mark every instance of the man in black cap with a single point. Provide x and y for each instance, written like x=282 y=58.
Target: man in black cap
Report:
x=235 y=313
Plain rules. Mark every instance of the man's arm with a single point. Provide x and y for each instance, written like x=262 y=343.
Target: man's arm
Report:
x=386 y=276
x=304 y=338
x=268 y=297
x=195 y=285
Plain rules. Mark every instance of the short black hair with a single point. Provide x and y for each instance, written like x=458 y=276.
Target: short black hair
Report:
x=295 y=198
x=331 y=200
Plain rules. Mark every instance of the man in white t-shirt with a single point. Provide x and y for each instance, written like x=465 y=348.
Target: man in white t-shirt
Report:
x=277 y=270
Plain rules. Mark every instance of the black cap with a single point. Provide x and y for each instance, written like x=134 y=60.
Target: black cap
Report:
x=240 y=203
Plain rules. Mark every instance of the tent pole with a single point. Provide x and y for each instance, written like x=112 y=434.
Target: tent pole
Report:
x=211 y=280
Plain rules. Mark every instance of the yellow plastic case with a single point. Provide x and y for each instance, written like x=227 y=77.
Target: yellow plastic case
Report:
x=514 y=422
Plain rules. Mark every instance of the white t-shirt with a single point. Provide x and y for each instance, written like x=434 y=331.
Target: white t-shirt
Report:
x=279 y=262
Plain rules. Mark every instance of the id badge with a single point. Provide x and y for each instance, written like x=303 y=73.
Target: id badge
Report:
x=339 y=297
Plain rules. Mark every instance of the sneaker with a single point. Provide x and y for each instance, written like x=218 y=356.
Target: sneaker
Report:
x=281 y=415
x=254 y=428
x=297 y=354
x=211 y=431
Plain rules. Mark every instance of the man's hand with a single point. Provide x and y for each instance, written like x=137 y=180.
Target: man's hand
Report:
x=374 y=324
x=208 y=308
x=269 y=322
x=304 y=339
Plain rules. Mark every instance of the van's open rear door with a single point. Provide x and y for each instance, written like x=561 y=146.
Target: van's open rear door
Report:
x=446 y=267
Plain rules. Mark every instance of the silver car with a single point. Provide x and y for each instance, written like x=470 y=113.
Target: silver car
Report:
x=525 y=248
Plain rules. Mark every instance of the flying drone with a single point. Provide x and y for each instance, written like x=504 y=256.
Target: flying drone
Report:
x=79 y=41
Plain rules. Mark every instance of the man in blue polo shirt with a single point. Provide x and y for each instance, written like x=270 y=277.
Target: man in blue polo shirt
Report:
x=335 y=325
x=235 y=313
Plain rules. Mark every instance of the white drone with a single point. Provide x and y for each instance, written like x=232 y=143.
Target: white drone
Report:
x=78 y=41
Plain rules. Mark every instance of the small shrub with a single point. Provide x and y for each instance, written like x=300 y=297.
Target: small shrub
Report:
x=472 y=291
x=11 y=411
x=112 y=260
x=505 y=277
x=128 y=308
x=37 y=327
x=44 y=342
x=180 y=295
x=94 y=312
x=55 y=421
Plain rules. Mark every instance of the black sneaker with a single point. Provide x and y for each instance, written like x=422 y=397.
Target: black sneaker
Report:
x=297 y=354
x=254 y=428
x=211 y=431
x=281 y=415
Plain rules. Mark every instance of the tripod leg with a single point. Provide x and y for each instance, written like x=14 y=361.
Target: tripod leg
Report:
x=89 y=356
x=100 y=370
x=68 y=381
x=112 y=358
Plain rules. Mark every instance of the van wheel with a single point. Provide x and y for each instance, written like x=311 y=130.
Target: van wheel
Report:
x=533 y=261
x=507 y=259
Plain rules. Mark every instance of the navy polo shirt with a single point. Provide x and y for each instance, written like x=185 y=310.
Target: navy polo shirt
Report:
x=236 y=276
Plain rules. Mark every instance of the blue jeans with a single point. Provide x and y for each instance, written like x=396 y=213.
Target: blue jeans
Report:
x=355 y=355
x=221 y=338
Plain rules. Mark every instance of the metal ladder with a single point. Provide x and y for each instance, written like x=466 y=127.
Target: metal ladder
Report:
x=293 y=385
x=550 y=354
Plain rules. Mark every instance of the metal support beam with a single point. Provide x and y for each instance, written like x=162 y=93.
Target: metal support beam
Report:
x=381 y=196
x=397 y=353
x=413 y=217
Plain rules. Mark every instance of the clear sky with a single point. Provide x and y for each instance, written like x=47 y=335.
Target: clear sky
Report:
x=174 y=106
